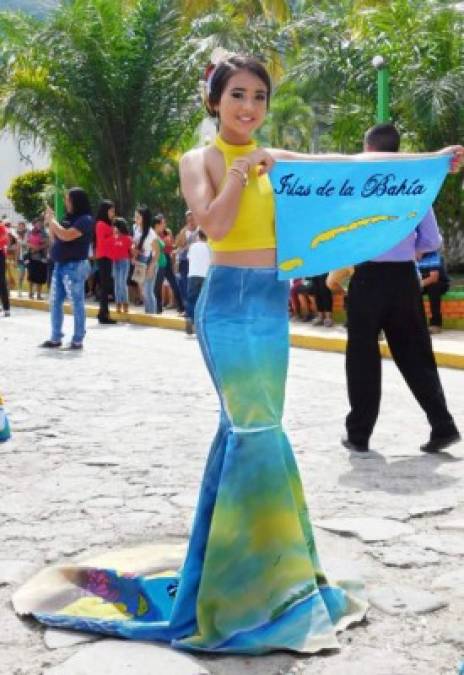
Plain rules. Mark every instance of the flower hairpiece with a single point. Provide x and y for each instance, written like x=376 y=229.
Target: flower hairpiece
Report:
x=218 y=56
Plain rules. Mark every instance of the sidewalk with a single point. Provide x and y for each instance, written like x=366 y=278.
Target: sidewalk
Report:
x=448 y=346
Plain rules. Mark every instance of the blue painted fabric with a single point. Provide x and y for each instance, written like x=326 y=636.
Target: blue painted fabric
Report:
x=5 y=432
x=252 y=581
x=334 y=214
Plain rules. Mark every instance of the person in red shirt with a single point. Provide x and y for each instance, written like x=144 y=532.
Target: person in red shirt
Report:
x=4 y=294
x=122 y=248
x=104 y=236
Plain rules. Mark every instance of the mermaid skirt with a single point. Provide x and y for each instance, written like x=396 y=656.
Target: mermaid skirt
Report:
x=251 y=581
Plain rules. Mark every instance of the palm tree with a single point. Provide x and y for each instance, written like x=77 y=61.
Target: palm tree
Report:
x=105 y=85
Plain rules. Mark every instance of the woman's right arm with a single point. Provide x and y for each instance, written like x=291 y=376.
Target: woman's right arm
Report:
x=155 y=254
x=215 y=213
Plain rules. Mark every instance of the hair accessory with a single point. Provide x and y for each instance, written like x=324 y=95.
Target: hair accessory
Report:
x=217 y=56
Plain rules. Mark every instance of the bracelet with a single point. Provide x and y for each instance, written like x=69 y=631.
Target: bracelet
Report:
x=241 y=175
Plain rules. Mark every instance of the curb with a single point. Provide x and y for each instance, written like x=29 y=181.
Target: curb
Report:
x=313 y=342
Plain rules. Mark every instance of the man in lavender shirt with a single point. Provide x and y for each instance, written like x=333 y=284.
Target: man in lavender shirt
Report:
x=384 y=294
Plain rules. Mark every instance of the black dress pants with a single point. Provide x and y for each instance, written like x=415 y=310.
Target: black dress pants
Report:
x=105 y=268
x=168 y=274
x=435 y=291
x=322 y=294
x=387 y=296
x=4 y=294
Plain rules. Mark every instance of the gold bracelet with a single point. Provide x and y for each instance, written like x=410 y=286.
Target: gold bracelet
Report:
x=241 y=175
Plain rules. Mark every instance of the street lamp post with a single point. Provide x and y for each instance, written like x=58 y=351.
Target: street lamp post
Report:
x=383 y=89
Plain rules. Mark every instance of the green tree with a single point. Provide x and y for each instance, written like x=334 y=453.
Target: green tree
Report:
x=105 y=85
x=28 y=191
x=423 y=43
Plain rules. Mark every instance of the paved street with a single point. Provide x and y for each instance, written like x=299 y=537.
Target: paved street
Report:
x=108 y=450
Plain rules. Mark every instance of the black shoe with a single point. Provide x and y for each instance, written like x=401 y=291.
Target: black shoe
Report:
x=437 y=444
x=49 y=344
x=107 y=321
x=356 y=447
x=189 y=327
x=73 y=346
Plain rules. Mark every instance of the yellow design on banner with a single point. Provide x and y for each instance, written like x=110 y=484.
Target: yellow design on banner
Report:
x=289 y=265
x=355 y=225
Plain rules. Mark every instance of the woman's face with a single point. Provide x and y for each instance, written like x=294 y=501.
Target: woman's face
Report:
x=243 y=105
x=111 y=213
x=138 y=219
x=21 y=228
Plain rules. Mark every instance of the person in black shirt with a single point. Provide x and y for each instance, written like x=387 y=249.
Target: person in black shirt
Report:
x=435 y=283
x=69 y=252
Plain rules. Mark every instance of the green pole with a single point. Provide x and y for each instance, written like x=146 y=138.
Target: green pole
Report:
x=383 y=95
x=59 y=198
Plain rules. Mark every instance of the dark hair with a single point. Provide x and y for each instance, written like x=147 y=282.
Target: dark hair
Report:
x=79 y=201
x=102 y=213
x=383 y=138
x=121 y=225
x=202 y=235
x=158 y=219
x=146 y=223
x=226 y=69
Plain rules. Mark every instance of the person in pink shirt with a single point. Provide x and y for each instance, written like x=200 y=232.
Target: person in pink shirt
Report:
x=104 y=250
x=4 y=294
x=121 y=254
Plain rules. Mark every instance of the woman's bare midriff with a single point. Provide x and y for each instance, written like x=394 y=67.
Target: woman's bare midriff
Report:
x=263 y=257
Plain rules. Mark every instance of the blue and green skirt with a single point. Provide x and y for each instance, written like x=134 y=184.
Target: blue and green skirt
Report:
x=251 y=581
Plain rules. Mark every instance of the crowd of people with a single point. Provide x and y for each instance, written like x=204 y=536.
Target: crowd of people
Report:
x=311 y=298
x=119 y=253
x=141 y=263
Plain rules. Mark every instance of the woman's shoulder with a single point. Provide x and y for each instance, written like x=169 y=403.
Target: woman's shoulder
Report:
x=198 y=157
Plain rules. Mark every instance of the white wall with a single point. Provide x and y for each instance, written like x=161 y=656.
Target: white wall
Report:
x=14 y=162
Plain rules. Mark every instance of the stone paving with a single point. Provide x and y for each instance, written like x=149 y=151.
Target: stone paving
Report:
x=108 y=451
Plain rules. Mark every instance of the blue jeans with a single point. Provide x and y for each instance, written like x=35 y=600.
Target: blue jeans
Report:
x=149 y=299
x=68 y=281
x=120 y=272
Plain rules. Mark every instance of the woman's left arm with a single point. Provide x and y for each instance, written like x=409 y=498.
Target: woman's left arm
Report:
x=455 y=151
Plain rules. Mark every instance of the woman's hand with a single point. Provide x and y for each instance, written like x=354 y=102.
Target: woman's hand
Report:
x=260 y=158
x=457 y=159
x=49 y=215
x=150 y=271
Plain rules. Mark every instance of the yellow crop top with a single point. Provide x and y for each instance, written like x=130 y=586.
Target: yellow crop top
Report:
x=254 y=226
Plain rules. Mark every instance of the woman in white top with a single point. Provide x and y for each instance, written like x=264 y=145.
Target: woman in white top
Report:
x=199 y=258
x=146 y=251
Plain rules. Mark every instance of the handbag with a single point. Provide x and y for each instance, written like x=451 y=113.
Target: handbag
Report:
x=140 y=272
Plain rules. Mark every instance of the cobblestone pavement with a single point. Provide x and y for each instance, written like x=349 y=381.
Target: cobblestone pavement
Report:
x=108 y=450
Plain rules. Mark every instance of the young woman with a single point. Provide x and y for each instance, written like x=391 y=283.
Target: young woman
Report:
x=21 y=260
x=104 y=236
x=37 y=243
x=165 y=271
x=252 y=581
x=146 y=252
x=11 y=257
x=69 y=252
x=122 y=248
